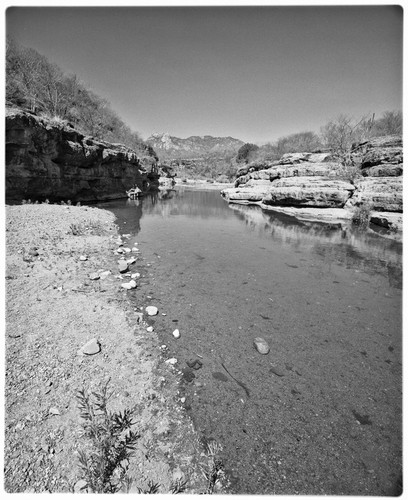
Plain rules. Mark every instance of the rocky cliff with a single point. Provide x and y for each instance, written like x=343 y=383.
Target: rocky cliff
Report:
x=316 y=181
x=45 y=159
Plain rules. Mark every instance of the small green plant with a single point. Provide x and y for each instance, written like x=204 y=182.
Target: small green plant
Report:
x=361 y=216
x=104 y=466
x=215 y=472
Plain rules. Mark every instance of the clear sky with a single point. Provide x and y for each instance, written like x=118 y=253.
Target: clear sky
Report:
x=254 y=73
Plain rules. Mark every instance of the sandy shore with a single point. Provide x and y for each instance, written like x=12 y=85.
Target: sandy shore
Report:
x=53 y=309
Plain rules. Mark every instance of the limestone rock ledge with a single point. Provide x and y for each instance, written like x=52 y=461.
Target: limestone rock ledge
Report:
x=46 y=160
x=315 y=185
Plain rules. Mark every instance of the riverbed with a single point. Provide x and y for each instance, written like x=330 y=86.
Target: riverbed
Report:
x=321 y=412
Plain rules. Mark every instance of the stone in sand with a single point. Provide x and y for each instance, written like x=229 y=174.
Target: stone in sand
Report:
x=261 y=345
x=91 y=347
x=152 y=310
x=176 y=334
x=123 y=266
x=94 y=276
x=130 y=285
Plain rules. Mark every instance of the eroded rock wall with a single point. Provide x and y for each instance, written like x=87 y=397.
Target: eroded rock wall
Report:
x=317 y=180
x=47 y=160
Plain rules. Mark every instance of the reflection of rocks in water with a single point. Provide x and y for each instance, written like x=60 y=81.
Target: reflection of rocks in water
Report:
x=336 y=243
x=395 y=276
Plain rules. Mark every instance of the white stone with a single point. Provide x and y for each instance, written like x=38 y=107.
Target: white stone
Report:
x=171 y=361
x=126 y=249
x=261 y=345
x=83 y=257
x=149 y=329
x=135 y=275
x=132 y=260
x=151 y=310
x=176 y=333
x=128 y=286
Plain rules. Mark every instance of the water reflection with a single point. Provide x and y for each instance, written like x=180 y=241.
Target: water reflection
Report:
x=334 y=243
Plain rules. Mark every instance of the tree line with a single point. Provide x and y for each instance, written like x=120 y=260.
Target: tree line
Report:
x=338 y=135
x=41 y=87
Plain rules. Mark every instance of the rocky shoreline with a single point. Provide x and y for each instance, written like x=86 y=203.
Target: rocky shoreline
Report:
x=70 y=325
x=316 y=186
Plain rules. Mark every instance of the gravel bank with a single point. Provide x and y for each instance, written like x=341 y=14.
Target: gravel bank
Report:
x=53 y=309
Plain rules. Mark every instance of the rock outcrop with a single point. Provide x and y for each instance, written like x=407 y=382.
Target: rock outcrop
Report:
x=316 y=181
x=48 y=160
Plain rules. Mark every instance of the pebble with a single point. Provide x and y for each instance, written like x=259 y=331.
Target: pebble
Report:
x=171 y=361
x=127 y=249
x=120 y=250
x=261 y=345
x=151 y=310
x=149 y=329
x=134 y=249
x=135 y=275
x=80 y=486
x=83 y=257
x=176 y=334
x=94 y=276
x=54 y=411
x=132 y=260
x=195 y=363
x=130 y=285
x=276 y=371
x=91 y=347
x=33 y=252
x=104 y=274
x=122 y=266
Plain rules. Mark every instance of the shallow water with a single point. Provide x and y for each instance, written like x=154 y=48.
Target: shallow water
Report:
x=321 y=413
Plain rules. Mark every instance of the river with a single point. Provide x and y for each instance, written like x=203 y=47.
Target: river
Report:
x=321 y=413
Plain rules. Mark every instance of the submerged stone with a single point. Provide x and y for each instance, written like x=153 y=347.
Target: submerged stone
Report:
x=261 y=345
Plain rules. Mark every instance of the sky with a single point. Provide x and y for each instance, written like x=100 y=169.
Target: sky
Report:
x=253 y=73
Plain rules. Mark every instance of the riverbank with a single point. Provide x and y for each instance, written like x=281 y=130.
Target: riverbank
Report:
x=203 y=184
x=70 y=325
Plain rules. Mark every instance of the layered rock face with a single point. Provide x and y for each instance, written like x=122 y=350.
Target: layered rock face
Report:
x=45 y=160
x=316 y=180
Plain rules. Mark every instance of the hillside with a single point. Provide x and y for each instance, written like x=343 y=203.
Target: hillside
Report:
x=173 y=148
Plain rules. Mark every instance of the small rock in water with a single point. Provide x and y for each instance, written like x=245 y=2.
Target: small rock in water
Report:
x=91 y=347
x=261 y=345
x=195 y=363
x=83 y=257
x=94 y=276
x=134 y=249
x=276 y=371
x=176 y=334
x=130 y=285
x=135 y=275
x=151 y=310
x=120 y=250
x=132 y=260
x=122 y=265
x=127 y=249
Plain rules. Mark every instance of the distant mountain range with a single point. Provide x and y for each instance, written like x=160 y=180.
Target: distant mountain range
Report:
x=169 y=147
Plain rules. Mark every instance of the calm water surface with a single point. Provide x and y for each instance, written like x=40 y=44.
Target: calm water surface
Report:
x=321 y=413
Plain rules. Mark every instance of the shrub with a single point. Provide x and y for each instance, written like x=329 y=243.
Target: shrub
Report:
x=112 y=442
x=361 y=216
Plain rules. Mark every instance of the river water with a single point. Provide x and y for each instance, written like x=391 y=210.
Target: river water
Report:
x=319 y=414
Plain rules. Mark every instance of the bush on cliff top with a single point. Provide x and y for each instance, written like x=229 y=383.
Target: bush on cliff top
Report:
x=35 y=84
